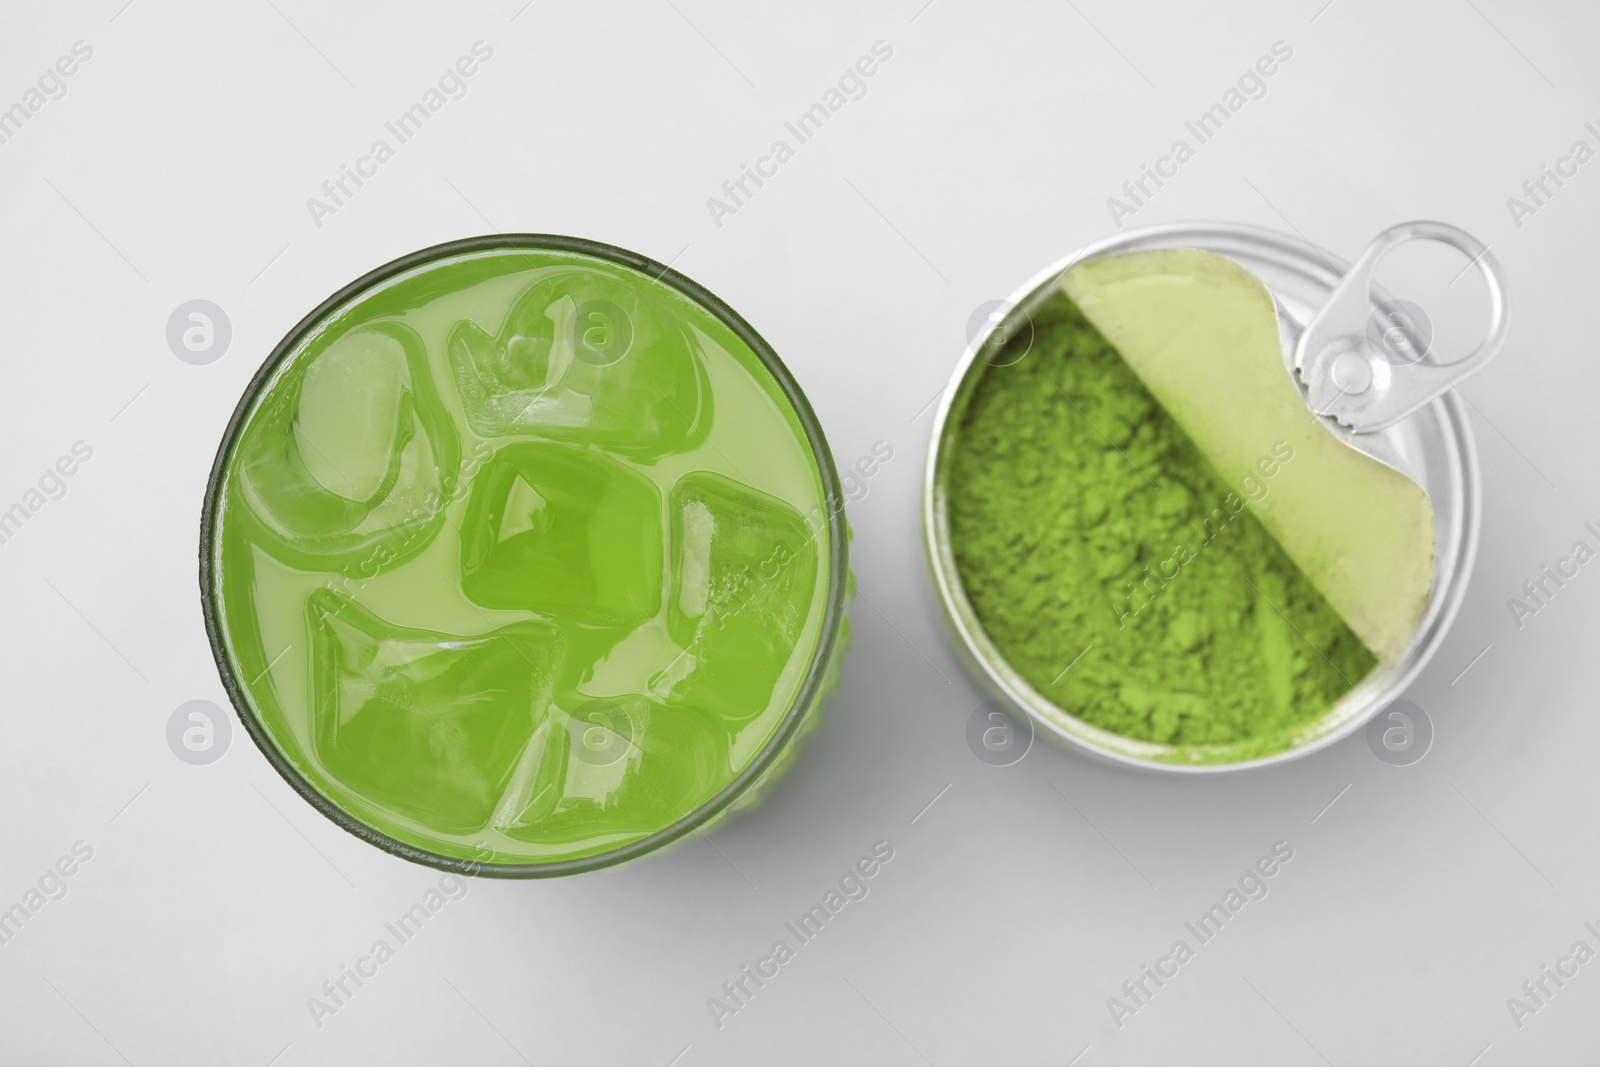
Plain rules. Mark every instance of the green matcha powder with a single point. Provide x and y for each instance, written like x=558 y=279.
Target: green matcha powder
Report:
x=1082 y=517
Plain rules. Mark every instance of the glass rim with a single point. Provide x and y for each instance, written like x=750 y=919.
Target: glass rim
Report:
x=984 y=658
x=832 y=496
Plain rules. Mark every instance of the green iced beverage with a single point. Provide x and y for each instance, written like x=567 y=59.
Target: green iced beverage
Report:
x=524 y=555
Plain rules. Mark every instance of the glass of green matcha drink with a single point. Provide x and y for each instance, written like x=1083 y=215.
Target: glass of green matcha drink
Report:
x=1147 y=537
x=524 y=555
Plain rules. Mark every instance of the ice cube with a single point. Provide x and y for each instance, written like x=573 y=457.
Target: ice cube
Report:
x=584 y=357
x=430 y=725
x=622 y=767
x=563 y=531
x=744 y=574
x=343 y=463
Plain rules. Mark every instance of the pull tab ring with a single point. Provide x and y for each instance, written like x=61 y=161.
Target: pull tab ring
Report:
x=1365 y=369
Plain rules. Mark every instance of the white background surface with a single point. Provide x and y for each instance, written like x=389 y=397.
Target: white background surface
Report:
x=178 y=166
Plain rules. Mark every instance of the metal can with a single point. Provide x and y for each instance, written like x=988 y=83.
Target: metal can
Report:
x=1435 y=441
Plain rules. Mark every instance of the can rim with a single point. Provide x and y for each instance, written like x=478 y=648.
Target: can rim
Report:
x=1315 y=264
x=811 y=685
